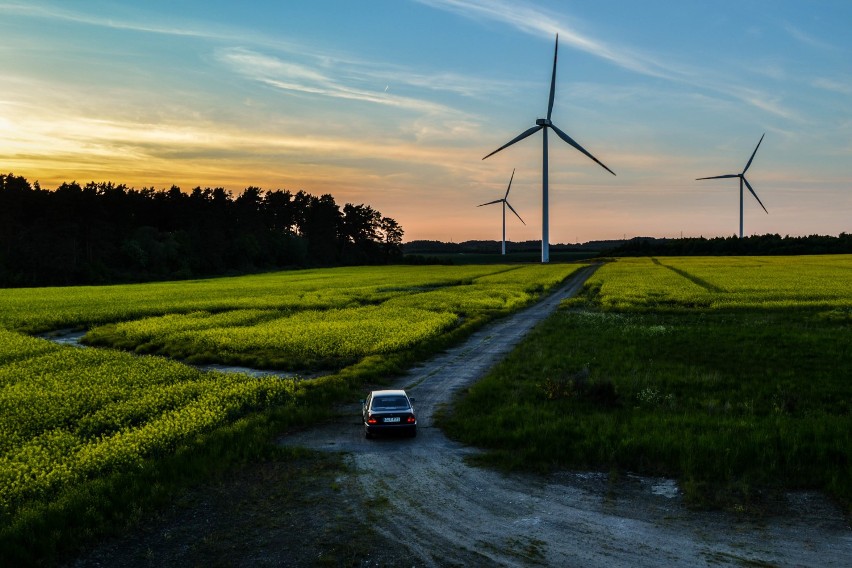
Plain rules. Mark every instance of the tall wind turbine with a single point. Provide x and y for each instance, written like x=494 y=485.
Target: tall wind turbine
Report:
x=543 y=124
x=743 y=180
x=505 y=203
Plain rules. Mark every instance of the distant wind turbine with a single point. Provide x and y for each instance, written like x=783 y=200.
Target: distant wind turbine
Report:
x=505 y=202
x=743 y=180
x=543 y=124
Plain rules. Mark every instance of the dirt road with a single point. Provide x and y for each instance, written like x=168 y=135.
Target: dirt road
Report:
x=441 y=511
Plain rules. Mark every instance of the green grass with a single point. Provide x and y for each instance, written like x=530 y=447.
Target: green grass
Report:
x=686 y=283
x=737 y=388
x=351 y=317
x=43 y=309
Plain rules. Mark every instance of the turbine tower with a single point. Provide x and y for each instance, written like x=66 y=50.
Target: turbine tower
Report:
x=743 y=180
x=543 y=124
x=505 y=203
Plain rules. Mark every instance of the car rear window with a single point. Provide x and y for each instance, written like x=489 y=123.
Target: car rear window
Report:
x=389 y=402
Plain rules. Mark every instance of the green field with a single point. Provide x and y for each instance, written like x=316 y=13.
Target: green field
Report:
x=730 y=374
x=686 y=283
x=90 y=437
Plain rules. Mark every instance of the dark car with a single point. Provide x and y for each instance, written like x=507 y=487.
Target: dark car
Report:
x=388 y=411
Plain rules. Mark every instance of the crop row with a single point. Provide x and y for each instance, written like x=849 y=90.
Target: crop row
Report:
x=724 y=282
x=16 y=346
x=302 y=337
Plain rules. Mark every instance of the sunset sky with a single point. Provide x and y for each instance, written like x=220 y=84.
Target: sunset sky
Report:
x=393 y=103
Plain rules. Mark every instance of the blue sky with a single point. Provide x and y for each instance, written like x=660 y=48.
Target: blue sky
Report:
x=394 y=103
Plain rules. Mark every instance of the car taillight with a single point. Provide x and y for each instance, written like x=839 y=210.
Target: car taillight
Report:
x=372 y=420
x=410 y=420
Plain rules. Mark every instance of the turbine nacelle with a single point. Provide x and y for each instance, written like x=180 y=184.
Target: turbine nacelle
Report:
x=543 y=122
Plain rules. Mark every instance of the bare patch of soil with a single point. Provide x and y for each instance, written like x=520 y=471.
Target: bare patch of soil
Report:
x=304 y=511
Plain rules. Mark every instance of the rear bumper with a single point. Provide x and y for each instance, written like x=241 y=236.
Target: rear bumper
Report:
x=376 y=428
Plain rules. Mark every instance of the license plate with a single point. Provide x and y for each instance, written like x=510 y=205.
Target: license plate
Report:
x=394 y=419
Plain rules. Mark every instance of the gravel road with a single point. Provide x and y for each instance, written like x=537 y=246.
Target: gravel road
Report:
x=442 y=511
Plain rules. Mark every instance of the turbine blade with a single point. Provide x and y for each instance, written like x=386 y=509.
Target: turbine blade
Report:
x=513 y=211
x=510 y=184
x=753 y=153
x=720 y=177
x=517 y=138
x=553 y=80
x=748 y=185
x=492 y=202
x=571 y=141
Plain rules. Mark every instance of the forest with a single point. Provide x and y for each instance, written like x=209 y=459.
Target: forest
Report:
x=104 y=232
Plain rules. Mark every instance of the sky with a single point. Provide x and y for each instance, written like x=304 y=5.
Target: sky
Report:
x=394 y=103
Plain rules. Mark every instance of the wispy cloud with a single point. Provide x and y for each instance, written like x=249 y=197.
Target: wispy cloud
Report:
x=806 y=39
x=31 y=139
x=535 y=20
x=842 y=87
x=146 y=24
x=301 y=78
x=358 y=69
x=56 y=13
x=538 y=21
x=462 y=85
x=771 y=105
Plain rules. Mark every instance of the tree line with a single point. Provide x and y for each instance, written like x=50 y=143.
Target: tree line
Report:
x=105 y=232
x=769 y=244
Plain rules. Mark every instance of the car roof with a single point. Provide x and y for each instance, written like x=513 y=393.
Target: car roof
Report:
x=397 y=392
